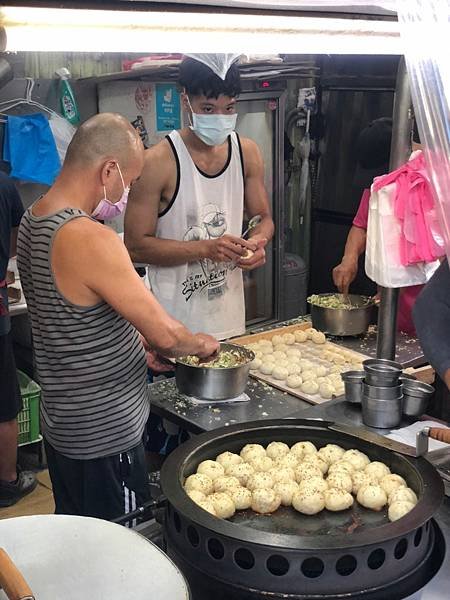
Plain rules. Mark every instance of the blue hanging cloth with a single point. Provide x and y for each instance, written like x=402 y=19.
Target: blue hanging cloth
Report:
x=30 y=149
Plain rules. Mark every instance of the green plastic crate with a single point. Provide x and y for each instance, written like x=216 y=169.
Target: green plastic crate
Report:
x=28 y=418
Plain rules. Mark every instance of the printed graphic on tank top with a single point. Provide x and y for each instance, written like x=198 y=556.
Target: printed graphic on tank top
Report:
x=204 y=295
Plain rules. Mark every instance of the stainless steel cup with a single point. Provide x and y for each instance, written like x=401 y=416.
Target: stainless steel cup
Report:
x=353 y=382
x=381 y=414
x=416 y=397
x=381 y=372
x=377 y=392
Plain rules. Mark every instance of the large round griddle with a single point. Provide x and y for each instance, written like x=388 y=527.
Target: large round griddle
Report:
x=344 y=543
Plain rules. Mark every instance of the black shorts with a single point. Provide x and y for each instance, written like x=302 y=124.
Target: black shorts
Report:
x=105 y=488
x=10 y=398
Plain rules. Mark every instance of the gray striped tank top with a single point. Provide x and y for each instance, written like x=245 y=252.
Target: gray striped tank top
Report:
x=90 y=362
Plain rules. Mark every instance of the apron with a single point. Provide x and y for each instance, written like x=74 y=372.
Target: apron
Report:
x=5 y=324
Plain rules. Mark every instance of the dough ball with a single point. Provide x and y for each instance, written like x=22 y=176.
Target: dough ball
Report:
x=318 y=338
x=303 y=448
x=241 y=496
x=260 y=481
x=360 y=478
x=309 y=387
x=211 y=468
x=317 y=484
x=223 y=505
x=305 y=364
x=227 y=459
x=267 y=367
x=269 y=358
x=402 y=494
x=282 y=362
x=377 y=470
x=289 y=339
x=265 y=501
x=277 y=339
x=266 y=349
x=340 y=480
x=286 y=490
x=399 y=509
x=306 y=471
x=196 y=496
x=321 y=371
x=308 y=374
x=358 y=459
x=310 y=332
x=342 y=465
x=331 y=453
x=294 y=381
x=300 y=336
x=199 y=482
x=337 y=499
x=390 y=483
x=207 y=505
x=372 y=496
x=287 y=460
x=255 y=364
x=294 y=353
x=282 y=347
x=308 y=501
x=280 y=373
x=278 y=355
x=241 y=472
x=253 y=454
x=262 y=464
x=283 y=474
x=316 y=461
x=326 y=391
x=258 y=354
x=293 y=369
x=225 y=483
x=277 y=449
x=251 y=451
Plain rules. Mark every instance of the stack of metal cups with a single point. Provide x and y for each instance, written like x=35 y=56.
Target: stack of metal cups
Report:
x=385 y=393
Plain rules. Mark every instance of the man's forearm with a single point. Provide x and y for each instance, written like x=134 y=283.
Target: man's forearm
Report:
x=264 y=230
x=167 y=253
x=356 y=243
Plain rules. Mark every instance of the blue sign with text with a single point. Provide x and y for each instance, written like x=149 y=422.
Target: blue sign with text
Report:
x=167 y=107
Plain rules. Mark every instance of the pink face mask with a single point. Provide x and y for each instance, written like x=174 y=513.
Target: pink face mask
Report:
x=106 y=209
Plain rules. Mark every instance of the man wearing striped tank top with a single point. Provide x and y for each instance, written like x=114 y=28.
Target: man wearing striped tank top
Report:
x=87 y=306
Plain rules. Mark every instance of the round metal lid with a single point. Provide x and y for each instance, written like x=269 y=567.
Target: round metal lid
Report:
x=72 y=557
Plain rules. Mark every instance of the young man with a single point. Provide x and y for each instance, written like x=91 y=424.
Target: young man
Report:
x=87 y=305
x=186 y=213
x=14 y=484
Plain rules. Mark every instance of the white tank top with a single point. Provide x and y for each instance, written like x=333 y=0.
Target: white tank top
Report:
x=206 y=296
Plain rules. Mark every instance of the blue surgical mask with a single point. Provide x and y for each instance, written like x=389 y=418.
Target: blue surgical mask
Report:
x=212 y=130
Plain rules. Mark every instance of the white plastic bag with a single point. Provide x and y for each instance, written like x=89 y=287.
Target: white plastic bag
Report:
x=63 y=133
x=218 y=63
x=384 y=231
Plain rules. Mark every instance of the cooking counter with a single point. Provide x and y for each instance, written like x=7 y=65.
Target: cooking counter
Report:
x=265 y=401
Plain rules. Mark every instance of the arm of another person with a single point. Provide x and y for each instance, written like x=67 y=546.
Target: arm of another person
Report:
x=141 y=219
x=256 y=202
x=16 y=216
x=112 y=278
x=431 y=315
x=345 y=272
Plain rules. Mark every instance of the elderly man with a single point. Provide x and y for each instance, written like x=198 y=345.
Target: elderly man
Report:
x=87 y=305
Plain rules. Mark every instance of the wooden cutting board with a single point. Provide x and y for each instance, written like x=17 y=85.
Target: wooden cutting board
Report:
x=281 y=385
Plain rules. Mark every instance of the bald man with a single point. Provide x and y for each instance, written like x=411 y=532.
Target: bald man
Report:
x=87 y=306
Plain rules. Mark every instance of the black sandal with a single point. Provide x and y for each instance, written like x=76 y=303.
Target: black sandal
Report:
x=12 y=492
